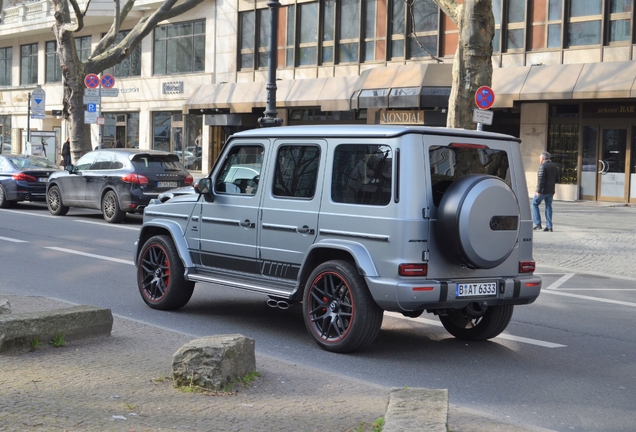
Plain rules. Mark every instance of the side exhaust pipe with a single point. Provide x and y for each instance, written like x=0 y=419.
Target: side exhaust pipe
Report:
x=280 y=304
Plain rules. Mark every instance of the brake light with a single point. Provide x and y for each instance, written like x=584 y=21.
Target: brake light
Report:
x=413 y=269
x=135 y=178
x=24 y=177
x=527 y=266
x=188 y=180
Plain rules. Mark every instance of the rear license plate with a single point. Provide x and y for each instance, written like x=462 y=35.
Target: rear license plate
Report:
x=479 y=289
x=167 y=184
x=43 y=179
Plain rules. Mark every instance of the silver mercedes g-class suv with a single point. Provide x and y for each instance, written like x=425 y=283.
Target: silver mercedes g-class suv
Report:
x=350 y=221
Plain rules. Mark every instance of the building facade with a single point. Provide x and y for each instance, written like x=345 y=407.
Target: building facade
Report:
x=563 y=77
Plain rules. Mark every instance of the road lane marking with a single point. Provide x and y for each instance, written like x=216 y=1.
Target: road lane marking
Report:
x=597 y=299
x=436 y=323
x=107 y=224
x=90 y=255
x=13 y=240
x=563 y=279
x=31 y=214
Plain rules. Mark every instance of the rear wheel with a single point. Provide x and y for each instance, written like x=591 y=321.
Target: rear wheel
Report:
x=160 y=275
x=339 y=311
x=474 y=325
x=110 y=208
x=54 y=202
x=4 y=202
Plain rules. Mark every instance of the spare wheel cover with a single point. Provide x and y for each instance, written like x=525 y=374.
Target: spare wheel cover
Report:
x=478 y=221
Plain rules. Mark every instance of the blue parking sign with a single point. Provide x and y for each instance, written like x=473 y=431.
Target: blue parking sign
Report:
x=91 y=107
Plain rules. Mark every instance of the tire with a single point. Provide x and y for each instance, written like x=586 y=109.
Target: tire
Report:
x=160 y=275
x=54 y=202
x=338 y=309
x=110 y=208
x=4 y=202
x=491 y=324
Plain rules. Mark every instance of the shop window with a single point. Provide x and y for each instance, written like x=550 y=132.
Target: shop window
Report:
x=563 y=146
x=584 y=27
x=131 y=65
x=29 y=64
x=53 y=67
x=362 y=174
x=6 y=66
x=179 y=48
x=296 y=171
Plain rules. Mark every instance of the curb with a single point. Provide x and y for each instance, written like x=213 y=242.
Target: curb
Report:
x=416 y=409
x=76 y=322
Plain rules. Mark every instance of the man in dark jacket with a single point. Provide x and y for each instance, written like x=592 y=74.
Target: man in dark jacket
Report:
x=547 y=178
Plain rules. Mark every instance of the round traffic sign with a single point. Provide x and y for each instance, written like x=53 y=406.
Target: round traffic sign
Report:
x=108 y=81
x=91 y=81
x=484 y=97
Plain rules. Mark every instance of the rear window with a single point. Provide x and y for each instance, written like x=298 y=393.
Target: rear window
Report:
x=157 y=163
x=449 y=163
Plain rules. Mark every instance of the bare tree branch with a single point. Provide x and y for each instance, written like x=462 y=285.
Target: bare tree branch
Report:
x=413 y=35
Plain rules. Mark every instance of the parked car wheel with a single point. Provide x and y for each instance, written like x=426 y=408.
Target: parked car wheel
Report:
x=465 y=323
x=4 y=202
x=54 y=202
x=160 y=275
x=339 y=311
x=110 y=208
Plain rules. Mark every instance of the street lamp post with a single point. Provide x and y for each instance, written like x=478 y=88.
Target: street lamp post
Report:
x=269 y=116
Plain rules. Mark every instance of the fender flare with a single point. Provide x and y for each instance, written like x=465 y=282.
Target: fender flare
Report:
x=176 y=234
x=360 y=254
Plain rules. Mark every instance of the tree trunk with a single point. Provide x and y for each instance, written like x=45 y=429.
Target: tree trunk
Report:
x=472 y=67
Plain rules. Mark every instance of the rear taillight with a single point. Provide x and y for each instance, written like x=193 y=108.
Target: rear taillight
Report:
x=135 y=178
x=188 y=180
x=413 y=269
x=24 y=177
x=527 y=266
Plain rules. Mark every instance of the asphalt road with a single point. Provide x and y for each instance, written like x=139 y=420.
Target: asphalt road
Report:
x=565 y=363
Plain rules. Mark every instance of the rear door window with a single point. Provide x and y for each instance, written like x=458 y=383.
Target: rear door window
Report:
x=448 y=163
x=296 y=171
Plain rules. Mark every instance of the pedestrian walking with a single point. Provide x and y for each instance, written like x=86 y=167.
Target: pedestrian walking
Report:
x=66 y=152
x=547 y=177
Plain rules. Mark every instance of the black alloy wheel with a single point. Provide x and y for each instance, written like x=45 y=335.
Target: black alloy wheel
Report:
x=339 y=311
x=490 y=324
x=4 y=202
x=54 y=202
x=110 y=208
x=160 y=275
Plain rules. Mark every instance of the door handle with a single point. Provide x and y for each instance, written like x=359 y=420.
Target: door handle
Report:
x=305 y=230
x=604 y=167
x=247 y=224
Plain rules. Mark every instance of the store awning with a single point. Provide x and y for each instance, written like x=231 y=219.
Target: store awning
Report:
x=609 y=80
x=553 y=82
x=507 y=84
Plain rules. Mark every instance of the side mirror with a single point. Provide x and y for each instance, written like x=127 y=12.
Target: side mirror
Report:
x=203 y=186
x=69 y=168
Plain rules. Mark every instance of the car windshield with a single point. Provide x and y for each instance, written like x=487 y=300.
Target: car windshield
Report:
x=156 y=163
x=28 y=162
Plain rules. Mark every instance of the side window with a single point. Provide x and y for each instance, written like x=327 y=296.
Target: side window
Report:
x=457 y=160
x=105 y=161
x=296 y=171
x=86 y=161
x=241 y=171
x=362 y=174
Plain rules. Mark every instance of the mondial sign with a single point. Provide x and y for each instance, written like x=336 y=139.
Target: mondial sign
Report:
x=414 y=117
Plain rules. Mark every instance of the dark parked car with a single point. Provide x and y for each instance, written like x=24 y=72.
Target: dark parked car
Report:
x=23 y=178
x=115 y=181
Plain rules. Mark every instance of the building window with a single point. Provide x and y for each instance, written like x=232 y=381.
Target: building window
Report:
x=29 y=64
x=584 y=27
x=496 y=11
x=516 y=18
x=349 y=31
x=289 y=15
x=555 y=15
x=620 y=20
x=6 y=66
x=53 y=68
x=83 y=47
x=308 y=34
x=328 y=30
x=254 y=39
x=179 y=48
x=131 y=65
x=414 y=29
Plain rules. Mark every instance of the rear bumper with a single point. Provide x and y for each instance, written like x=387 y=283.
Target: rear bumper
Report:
x=435 y=294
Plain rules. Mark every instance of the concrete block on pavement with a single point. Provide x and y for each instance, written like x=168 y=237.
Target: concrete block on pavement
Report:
x=74 y=323
x=413 y=409
x=5 y=307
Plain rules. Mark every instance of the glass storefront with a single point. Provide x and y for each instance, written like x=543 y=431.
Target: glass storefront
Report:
x=5 y=134
x=180 y=134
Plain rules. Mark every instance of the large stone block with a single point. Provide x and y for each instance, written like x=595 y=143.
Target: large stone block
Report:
x=417 y=409
x=213 y=361
x=73 y=322
x=5 y=307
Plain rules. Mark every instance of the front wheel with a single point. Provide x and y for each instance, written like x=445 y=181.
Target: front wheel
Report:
x=339 y=311
x=110 y=208
x=54 y=202
x=466 y=326
x=160 y=275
